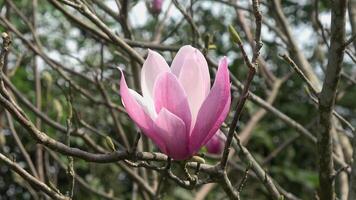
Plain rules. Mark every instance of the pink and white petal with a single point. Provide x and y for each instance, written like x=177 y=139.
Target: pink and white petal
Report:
x=214 y=109
x=146 y=105
x=204 y=69
x=152 y=67
x=179 y=59
x=194 y=84
x=168 y=93
x=173 y=131
x=189 y=52
x=137 y=113
x=219 y=121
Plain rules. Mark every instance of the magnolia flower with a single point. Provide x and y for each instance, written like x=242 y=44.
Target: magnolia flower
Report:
x=157 y=6
x=216 y=143
x=178 y=110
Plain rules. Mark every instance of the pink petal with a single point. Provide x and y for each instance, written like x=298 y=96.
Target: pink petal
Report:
x=179 y=59
x=157 y=5
x=220 y=120
x=152 y=67
x=194 y=83
x=173 y=131
x=146 y=105
x=216 y=143
x=214 y=109
x=137 y=113
x=192 y=54
x=168 y=93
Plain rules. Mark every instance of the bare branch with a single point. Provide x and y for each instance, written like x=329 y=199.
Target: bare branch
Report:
x=32 y=180
x=327 y=100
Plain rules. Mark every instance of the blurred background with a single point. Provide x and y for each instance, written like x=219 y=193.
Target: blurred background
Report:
x=59 y=56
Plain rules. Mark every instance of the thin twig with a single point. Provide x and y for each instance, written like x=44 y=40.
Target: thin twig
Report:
x=243 y=97
x=32 y=180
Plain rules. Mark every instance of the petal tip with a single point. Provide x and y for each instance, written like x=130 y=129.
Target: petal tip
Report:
x=188 y=48
x=224 y=60
x=150 y=52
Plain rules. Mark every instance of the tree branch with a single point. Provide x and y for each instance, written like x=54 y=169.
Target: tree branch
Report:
x=327 y=99
x=35 y=182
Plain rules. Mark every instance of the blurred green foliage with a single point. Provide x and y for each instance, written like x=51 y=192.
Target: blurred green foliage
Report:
x=295 y=168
